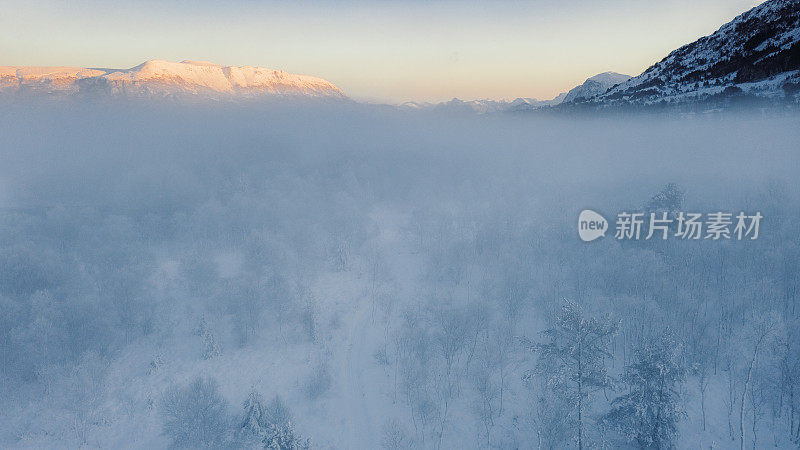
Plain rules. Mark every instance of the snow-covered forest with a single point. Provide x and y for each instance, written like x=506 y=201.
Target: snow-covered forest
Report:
x=358 y=277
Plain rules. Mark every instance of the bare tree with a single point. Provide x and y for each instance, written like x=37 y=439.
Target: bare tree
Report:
x=573 y=358
x=762 y=330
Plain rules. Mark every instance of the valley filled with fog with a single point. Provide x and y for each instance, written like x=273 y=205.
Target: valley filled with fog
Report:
x=250 y=275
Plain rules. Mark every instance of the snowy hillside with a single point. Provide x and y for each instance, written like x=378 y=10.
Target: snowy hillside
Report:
x=595 y=85
x=165 y=79
x=758 y=53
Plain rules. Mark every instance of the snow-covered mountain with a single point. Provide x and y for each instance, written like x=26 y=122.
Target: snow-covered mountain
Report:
x=458 y=106
x=532 y=103
x=486 y=106
x=157 y=78
x=758 y=53
x=483 y=106
x=595 y=85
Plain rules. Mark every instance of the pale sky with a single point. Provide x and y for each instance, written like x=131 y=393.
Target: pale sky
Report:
x=373 y=50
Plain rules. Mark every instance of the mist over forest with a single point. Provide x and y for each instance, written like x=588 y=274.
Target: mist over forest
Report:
x=334 y=275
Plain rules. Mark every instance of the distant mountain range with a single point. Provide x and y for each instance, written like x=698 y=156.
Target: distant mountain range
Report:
x=482 y=106
x=597 y=84
x=163 y=79
x=756 y=56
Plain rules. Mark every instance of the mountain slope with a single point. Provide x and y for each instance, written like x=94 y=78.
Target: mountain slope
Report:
x=165 y=79
x=757 y=53
x=592 y=86
x=595 y=85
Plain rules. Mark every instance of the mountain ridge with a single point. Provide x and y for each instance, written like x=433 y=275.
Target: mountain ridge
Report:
x=165 y=79
x=595 y=85
x=756 y=54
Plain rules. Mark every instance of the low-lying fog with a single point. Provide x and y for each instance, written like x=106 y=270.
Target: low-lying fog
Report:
x=383 y=278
